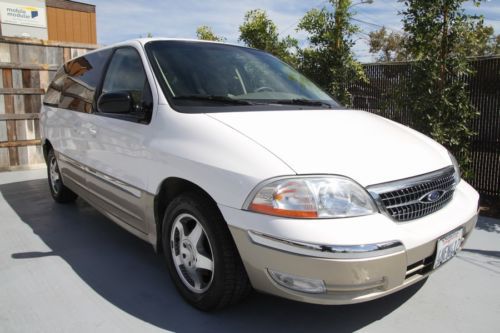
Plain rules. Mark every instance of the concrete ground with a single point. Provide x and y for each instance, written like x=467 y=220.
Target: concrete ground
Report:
x=66 y=268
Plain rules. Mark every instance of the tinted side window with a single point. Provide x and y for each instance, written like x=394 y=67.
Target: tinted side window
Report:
x=83 y=76
x=53 y=94
x=126 y=73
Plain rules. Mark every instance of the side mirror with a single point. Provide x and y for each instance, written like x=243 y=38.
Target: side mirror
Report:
x=115 y=102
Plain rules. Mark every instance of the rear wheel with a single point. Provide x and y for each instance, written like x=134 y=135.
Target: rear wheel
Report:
x=201 y=255
x=59 y=192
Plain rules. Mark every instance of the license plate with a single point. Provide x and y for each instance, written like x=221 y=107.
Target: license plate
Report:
x=447 y=247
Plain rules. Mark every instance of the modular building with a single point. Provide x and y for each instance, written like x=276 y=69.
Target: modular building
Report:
x=55 y=20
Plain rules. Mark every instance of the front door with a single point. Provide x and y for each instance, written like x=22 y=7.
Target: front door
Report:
x=118 y=151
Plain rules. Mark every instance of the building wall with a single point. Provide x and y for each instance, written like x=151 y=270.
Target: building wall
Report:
x=70 y=21
x=23 y=29
x=56 y=20
x=68 y=25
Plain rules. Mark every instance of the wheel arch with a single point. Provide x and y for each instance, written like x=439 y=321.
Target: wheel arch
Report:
x=169 y=189
x=46 y=147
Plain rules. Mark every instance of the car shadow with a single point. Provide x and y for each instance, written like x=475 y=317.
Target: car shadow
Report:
x=493 y=254
x=488 y=224
x=126 y=272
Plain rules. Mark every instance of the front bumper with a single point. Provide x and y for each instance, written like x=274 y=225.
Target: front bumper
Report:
x=387 y=256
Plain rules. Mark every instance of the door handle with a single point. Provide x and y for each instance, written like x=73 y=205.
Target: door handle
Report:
x=92 y=131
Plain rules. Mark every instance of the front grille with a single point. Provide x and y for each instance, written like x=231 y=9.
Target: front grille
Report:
x=407 y=199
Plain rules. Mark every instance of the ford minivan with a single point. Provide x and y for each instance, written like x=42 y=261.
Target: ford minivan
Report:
x=246 y=175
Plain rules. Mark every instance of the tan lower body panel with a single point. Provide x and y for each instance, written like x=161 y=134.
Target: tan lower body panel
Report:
x=347 y=280
x=129 y=207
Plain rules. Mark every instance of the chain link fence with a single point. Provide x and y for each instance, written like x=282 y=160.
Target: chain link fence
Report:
x=386 y=85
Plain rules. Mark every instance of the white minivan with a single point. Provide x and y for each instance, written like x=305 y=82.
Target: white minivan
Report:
x=245 y=174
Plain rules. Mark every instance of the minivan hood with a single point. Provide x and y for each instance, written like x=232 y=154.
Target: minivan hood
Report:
x=365 y=147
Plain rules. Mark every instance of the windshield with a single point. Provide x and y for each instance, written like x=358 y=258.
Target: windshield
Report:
x=199 y=74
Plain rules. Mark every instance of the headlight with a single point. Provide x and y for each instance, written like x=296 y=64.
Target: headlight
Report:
x=456 y=175
x=312 y=197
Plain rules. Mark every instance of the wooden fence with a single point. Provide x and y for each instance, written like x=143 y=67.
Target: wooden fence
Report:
x=26 y=68
x=484 y=87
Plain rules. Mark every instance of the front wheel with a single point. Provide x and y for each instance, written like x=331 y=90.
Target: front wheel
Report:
x=201 y=255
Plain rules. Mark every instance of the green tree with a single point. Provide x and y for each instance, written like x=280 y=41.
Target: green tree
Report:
x=495 y=45
x=388 y=46
x=480 y=40
x=206 y=33
x=329 y=59
x=260 y=32
x=440 y=106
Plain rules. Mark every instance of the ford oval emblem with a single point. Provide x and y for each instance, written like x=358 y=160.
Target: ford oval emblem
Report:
x=432 y=196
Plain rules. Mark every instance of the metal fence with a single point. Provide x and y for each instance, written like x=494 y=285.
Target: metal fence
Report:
x=484 y=87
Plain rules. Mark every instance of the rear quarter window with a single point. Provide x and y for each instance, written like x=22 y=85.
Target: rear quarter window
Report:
x=53 y=94
x=77 y=83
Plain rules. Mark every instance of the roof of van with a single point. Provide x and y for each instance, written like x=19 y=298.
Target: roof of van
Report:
x=143 y=41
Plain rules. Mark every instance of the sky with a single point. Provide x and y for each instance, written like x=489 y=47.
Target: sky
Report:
x=127 y=19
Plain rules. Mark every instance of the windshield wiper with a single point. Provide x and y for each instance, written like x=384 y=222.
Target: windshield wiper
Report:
x=214 y=98
x=303 y=101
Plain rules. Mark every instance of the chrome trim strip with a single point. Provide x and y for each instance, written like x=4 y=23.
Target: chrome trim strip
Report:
x=115 y=182
x=338 y=288
x=408 y=182
x=415 y=269
x=113 y=204
x=326 y=251
x=108 y=179
x=71 y=161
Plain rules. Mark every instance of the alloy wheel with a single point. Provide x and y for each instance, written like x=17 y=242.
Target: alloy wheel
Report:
x=55 y=177
x=192 y=253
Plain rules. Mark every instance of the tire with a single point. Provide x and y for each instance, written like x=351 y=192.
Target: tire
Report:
x=205 y=286
x=59 y=192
